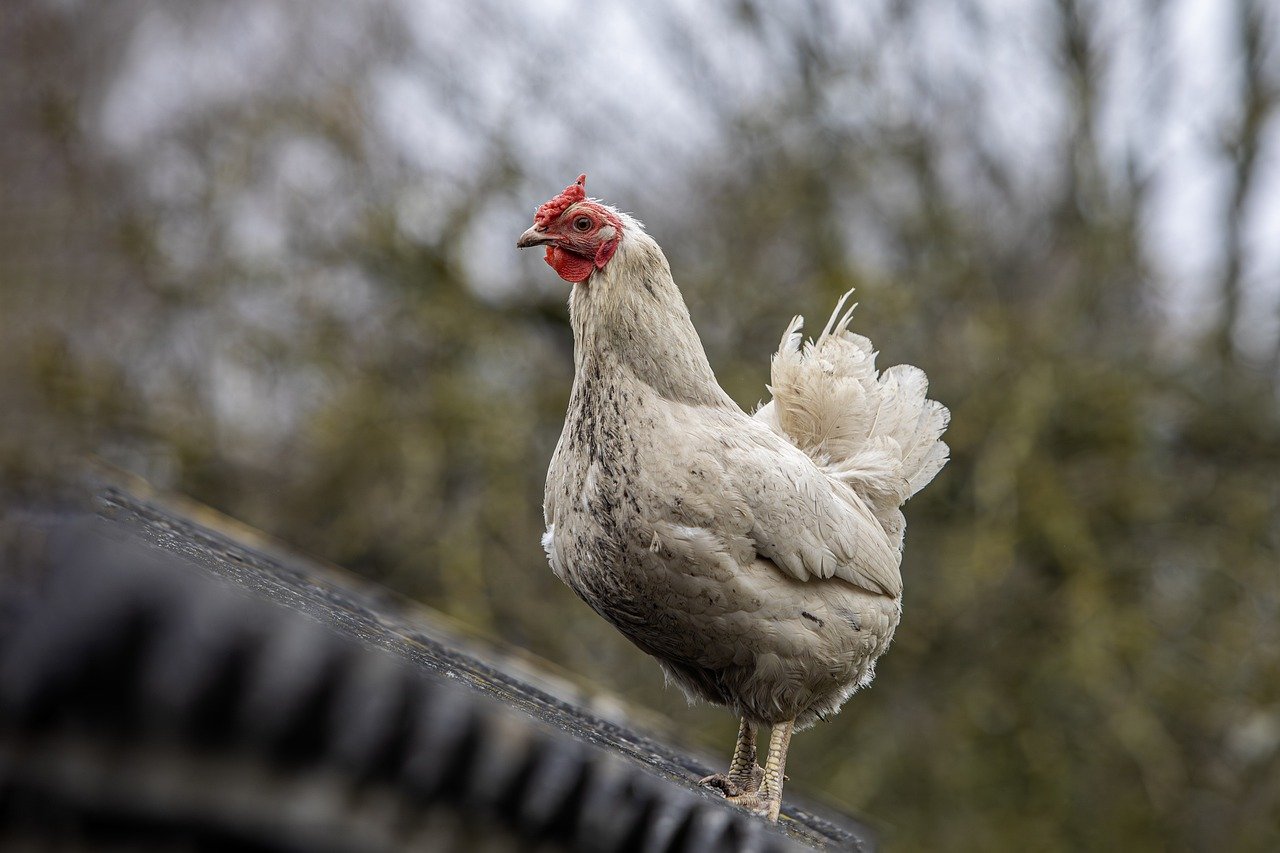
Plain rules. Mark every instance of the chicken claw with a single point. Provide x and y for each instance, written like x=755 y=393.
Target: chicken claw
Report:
x=744 y=774
x=734 y=786
x=758 y=803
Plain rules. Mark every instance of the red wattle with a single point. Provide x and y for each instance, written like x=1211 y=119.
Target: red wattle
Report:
x=570 y=267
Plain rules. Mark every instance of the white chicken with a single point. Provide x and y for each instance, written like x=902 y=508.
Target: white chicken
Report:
x=755 y=557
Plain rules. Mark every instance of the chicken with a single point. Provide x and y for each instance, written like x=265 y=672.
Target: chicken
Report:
x=755 y=557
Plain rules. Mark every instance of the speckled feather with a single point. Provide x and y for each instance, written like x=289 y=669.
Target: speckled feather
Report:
x=755 y=557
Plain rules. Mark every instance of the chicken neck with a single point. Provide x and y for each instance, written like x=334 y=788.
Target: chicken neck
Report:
x=629 y=318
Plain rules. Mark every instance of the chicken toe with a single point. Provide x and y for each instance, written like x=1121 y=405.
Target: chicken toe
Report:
x=744 y=775
x=734 y=786
x=758 y=802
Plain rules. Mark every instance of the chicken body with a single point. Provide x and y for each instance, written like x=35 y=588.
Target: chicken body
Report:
x=756 y=558
x=649 y=508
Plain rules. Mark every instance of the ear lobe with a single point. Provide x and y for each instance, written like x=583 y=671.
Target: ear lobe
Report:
x=605 y=252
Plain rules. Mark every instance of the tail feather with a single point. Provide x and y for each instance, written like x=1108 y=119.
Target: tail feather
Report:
x=876 y=431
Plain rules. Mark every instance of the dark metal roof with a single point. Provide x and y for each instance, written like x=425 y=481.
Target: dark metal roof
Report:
x=164 y=685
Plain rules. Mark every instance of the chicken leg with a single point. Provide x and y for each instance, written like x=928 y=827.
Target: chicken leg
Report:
x=744 y=774
x=766 y=801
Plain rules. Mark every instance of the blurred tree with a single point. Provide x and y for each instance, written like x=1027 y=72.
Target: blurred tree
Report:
x=259 y=253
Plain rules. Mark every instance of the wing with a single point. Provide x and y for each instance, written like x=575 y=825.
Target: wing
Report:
x=755 y=491
x=810 y=525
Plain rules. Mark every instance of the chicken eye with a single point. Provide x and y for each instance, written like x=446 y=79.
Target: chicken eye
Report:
x=582 y=223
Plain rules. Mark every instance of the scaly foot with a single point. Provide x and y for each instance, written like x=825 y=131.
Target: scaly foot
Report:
x=734 y=784
x=760 y=803
x=766 y=799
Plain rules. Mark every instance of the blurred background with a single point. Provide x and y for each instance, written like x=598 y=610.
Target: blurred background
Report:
x=262 y=253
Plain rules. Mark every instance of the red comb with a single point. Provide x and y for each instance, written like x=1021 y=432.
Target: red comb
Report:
x=572 y=194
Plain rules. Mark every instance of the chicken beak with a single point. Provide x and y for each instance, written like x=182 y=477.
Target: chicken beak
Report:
x=535 y=236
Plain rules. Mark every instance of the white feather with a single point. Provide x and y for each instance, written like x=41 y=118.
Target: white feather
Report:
x=877 y=432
